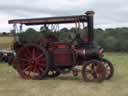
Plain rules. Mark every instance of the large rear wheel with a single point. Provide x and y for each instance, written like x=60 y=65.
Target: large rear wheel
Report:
x=32 y=62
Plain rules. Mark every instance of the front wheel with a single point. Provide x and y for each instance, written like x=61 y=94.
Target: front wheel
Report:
x=93 y=71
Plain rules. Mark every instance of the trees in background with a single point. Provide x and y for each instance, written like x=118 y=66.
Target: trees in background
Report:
x=112 y=39
x=115 y=39
x=30 y=35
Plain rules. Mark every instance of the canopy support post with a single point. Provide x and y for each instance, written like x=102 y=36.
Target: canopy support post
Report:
x=21 y=28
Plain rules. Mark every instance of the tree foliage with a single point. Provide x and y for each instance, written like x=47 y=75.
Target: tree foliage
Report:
x=112 y=39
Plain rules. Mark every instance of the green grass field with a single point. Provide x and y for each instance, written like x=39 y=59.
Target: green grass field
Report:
x=67 y=85
x=6 y=42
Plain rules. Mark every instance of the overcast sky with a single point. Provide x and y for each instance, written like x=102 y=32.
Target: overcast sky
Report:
x=109 y=13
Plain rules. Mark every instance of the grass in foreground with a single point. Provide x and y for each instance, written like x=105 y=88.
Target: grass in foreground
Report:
x=67 y=85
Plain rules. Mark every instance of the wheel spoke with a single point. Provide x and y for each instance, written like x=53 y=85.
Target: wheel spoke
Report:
x=40 y=56
x=35 y=69
x=97 y=76
x=88 y=67
x=106 y=65
x=28 y=51
x=28 y=73
x=108 y=68
x=33 y=53
x=41 y=69
x=27 y=68
x=23 y=59
x=90 y=77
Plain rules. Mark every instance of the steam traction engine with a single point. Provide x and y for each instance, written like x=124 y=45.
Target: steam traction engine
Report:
x=49 y=57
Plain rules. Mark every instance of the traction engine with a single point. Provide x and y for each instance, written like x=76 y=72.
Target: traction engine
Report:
x=49 y=57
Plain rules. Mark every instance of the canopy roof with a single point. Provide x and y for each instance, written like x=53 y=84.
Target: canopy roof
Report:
x=50 y=20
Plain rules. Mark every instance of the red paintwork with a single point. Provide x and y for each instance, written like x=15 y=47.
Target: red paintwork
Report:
x=61 y=45
x=62 y=54
x=63 y=57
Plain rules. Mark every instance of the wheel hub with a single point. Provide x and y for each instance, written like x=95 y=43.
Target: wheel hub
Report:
x=33 y=62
